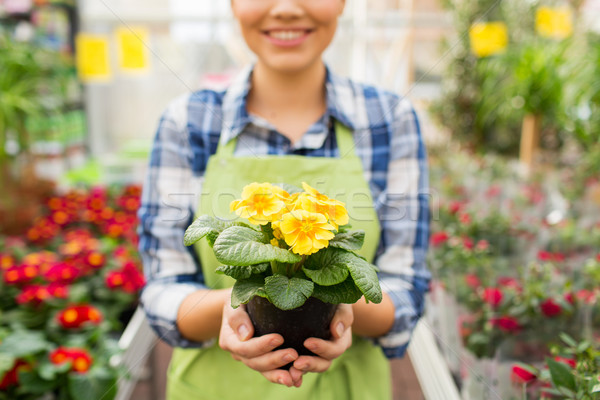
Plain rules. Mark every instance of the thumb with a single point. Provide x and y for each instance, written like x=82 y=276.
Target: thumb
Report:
x=240 y=323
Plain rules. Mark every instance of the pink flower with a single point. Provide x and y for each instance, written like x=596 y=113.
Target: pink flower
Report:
x=468 y=243
x=472 y=281
x=464 y=218
x=511 y=283
x=569 y=361
x=492 y=296
x=507 y=324
x=521 y=374
x=482 y=245
x=439 y=238
x=455 y=207
x=550 y=308
x=587 y=296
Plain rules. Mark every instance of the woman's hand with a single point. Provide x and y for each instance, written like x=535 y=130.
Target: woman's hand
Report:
x=328 y=350
x=257 y=353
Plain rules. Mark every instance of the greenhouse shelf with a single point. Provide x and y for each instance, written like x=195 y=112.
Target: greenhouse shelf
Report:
x=430 y=367
x=136 y=342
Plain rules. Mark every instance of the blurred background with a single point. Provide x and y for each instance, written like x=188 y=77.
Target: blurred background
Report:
x=508 y=93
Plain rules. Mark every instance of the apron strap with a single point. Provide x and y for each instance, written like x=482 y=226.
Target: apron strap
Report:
x=343 y=135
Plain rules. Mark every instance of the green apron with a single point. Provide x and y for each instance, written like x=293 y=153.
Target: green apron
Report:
x=362 y=372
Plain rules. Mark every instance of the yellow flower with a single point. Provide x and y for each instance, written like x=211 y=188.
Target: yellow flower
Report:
x=275 y=242
x=554 y=22
x=306 y=232
x=261 y=203
x=488 y=38
x=316 y=202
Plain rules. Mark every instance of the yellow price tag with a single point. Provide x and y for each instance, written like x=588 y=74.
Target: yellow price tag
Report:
x=488 y=38
x=93 y=63
x=131 y=43
x=554 y=22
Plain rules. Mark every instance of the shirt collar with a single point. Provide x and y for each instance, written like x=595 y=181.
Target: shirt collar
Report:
x=339 y=96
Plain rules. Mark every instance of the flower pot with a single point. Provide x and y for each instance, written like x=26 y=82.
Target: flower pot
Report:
x=312 y=319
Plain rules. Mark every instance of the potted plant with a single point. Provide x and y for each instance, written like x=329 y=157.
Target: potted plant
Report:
x=293 y=260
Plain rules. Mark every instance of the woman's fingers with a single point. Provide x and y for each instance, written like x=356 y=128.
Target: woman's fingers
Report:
x=279 y=376
x=342 y=320
x=270 y=361
x=239 y=321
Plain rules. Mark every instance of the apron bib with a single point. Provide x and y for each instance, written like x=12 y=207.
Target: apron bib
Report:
x=362 y=372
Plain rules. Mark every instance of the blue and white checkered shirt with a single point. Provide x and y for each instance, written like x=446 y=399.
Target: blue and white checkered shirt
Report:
x=388 y=141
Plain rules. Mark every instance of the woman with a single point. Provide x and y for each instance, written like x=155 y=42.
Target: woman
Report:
x=286 y=105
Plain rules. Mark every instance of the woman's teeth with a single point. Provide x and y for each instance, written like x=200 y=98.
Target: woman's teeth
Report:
x=286 y=35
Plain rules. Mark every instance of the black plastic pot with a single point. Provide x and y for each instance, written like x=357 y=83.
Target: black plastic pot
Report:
x=312 y=319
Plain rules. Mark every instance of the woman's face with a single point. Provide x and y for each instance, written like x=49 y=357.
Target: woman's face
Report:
x=288 y=35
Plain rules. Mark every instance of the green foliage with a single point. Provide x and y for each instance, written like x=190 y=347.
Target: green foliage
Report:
x=484 y=99
x=30 y=76
x=239 y=245
x=334 y=274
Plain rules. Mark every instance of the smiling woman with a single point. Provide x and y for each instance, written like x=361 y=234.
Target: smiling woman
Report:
x=288 y=36
x=286 y=119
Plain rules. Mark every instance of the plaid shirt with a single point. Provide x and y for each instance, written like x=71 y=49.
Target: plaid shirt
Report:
x=388 y=142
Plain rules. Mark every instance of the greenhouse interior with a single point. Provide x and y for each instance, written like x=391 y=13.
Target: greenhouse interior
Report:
x=507 y=96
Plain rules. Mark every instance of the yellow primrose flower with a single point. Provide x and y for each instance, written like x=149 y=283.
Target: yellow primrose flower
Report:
x=260 y=203
x=275 y=242
x=306 y=232
x=314 y=201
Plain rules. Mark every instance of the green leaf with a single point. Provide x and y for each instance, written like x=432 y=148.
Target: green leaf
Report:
x=98 y=383
x=23 y=343
x=562 y=375
x=242 y=272
x=286 y=293
x=6 y=362
x=365 y=277
x=352 y=240
x=326 y=267
x=35 y=384
x=568 y=339
x=202 y=226
x=245 y=289
x=345 y=292
x=239 y=245
x=48 y=370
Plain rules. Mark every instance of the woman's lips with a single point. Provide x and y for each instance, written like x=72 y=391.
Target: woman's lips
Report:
x=287 y=37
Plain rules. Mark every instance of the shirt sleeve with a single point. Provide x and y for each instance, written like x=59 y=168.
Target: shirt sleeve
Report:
x=405 y=219
x=168 y=204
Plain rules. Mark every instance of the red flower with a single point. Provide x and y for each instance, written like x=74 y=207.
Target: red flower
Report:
x=80 y=359
x=508 y=282
x=62 y=272
x=569 y=361
x=455 y=207
x=95 y=259
x=472 y=281
x=521 y=374
x=547 y=256
x=550 y=308
x=492 y=296
x=74 y=317
x=20 y=274
x=468 y=243
x=134 y=279
x=464 y=218
x=33 y=294
x=11 y=377
x=598 y=257
x=507 y=324
x=570 y=298
x=114 y=279
x=58 y=290
x=439 y=238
